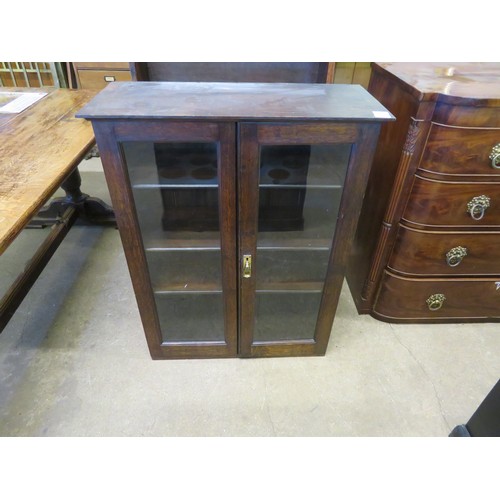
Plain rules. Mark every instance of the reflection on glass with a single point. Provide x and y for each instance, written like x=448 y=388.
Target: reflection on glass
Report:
x=300 y=188
x=175 y=188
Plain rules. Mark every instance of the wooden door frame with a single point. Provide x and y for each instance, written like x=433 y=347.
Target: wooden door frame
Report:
x=109 y=134
x=253 y=135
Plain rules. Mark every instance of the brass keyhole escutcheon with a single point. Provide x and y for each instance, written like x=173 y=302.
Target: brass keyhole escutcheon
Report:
x=247 y=266
x=435 y=301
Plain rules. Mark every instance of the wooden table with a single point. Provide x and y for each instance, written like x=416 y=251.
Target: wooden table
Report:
x=40 y=149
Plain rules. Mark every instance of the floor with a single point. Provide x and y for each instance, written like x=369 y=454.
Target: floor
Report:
x=74 y=362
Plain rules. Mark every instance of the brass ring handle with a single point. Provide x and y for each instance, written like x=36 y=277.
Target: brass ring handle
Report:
x=455 y=256
x=435 y=302
x=477 y=206
x=495 y=156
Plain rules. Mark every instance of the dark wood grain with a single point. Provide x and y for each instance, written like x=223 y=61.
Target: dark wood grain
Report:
x=404 y=299
x=428 y=165
x=422 y=253
x=270 y=72
x=460 y=151
x=451 y=83
x=228 y=234
x=433 y=203
x=233 y=101
x=248 y=201
x=279 y=114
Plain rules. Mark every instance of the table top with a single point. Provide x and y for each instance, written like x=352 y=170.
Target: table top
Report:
x=235 y=101
x=39 y=147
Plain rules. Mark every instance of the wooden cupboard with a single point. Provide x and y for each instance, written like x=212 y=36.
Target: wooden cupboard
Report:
x=236 y=205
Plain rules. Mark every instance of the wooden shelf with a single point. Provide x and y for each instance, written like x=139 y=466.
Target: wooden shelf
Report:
x=187 y=288
x=290 y=287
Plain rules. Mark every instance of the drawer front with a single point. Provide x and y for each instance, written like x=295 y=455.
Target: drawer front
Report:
x=102 y=65
x=97 y=79
x=438 y=204
x=462 y=151
x=446 y=253
x=407 y=299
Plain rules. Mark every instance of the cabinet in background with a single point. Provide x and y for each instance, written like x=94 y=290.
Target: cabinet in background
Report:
x=96 y=75
x=236 y=204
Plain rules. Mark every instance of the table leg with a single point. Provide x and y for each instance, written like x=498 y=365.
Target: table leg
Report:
x=90 y=210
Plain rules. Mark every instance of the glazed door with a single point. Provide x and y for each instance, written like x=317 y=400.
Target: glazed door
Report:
x=178 y=211
x=295 y=225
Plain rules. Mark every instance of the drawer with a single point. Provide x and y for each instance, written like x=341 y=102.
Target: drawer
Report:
x=98 y=79
x=462 y=151
x=441 y=203
x=425 y=253
x=405 y=299
x=102 y=65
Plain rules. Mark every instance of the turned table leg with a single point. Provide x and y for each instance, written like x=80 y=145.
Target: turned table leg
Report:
x=90 y=210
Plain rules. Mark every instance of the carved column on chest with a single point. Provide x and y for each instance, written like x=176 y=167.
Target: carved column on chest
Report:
x=408 y=163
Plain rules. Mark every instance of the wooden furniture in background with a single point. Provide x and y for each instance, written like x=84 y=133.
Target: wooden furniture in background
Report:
x=353 y=72
x=427 y=248
x=96 y=75
x=32 y=74
x=244 y=281
x=260 y=72
x=40 y=149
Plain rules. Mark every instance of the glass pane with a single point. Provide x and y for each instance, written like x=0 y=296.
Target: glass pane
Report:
x=300 y=189
x=176 y=191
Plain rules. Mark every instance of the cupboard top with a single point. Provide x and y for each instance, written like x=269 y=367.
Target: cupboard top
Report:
x=235 y=101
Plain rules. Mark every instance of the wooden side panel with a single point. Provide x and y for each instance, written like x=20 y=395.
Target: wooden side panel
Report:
x=126 y=218
x=396 y=157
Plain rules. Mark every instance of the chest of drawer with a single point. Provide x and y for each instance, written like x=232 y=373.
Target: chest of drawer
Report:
x=462 y=151
x=445 y=253
x=440 y=204
x=408 y=299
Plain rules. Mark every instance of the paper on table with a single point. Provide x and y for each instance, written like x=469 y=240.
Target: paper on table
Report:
x=19 y=101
